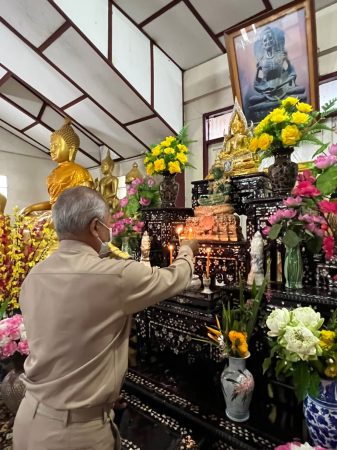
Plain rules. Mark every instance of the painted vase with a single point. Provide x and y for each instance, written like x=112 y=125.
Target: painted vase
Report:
x=168 y=190
x=237 y=386
x=321 y=415
x=283 y=172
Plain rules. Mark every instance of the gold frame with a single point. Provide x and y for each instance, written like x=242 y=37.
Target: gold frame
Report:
x=268 y=19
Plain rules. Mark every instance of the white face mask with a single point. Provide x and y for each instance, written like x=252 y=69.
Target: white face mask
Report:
x=105 y=245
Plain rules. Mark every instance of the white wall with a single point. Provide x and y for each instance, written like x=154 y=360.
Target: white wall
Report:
x=26 y=169
x=207 y=88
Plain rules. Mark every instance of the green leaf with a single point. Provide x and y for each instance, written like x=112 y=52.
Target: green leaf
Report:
x=275 y=231
x=301 y=378
x=311 y=138
x=3 y=308
x=320 y=150
x=291 y=239
x=314 y=244
x=327 y=181
x=266 y=364
x=314 y=381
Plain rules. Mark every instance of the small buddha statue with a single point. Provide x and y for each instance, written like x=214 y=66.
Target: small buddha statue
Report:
x=108 y=185
x=145 y=248
x=235 y=158
x=64 y=144
x=133 y=174
x=3 y=202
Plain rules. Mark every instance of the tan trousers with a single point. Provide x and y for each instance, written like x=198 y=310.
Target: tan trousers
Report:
x=38 y=427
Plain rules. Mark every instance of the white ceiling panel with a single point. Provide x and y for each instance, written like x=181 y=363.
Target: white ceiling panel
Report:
x=319 y=4
x=92 y=19
x=34 y=70
x=23 y=137
x=13 y=116
x=220 y=14
x=3 y=72
x=95 y=77
x=278 y=3
x=181 y=35
x=21 y=96
x=40 y=134
x=35 y=20
x=101 y=125
x=139 y=10
x=150 y=131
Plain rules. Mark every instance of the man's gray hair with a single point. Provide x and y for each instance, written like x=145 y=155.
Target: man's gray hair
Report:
x=75 y=208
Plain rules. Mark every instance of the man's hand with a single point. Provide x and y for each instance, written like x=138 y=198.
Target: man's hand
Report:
x=193 y=244
x=119 y=403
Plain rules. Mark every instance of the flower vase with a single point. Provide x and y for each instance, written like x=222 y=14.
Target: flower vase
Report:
x=321 y=415
x=168 y=190
x=126 y=245
x=293 y=268
x=283 y=172
x=237 y=386
x=12 y=387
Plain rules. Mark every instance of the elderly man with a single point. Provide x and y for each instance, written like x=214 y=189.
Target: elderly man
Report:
x=77 y=309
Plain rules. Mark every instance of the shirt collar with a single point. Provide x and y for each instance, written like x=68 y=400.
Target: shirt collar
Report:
x=70 y=245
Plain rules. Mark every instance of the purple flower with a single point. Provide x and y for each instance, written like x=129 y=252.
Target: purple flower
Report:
x=137 y=181
x=325 y=161
x=132 y=190
x=333 y=149
x=118 y=215
x=314 y=229
x=265 y=230
x=150 y=182
x=144 y=201
x=292 y=201
x=288 y=213
x=123 y=202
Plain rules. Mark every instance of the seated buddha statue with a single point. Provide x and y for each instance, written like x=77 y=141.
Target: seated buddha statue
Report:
x=108 y=185
x=235 y=158
x=64 y=144
x=133 y=174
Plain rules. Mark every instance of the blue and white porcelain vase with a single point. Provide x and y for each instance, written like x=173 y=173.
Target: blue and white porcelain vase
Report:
x=321 y=415
x=237 y=386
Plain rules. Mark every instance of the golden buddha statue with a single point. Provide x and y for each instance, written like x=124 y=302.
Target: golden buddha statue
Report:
x=64 y=144
x=108 y=185
x=235 y=158
x=133 y=174
x=3 y=202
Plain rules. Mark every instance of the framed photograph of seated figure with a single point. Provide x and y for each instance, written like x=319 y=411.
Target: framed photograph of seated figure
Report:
x=273 y=58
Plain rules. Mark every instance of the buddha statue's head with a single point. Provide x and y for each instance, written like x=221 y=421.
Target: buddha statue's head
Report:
x=107 y=165
x=64 y=143
x=237 y=126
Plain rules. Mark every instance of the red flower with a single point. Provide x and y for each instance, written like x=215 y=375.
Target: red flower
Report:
x=305 y=189
x=328 y=207
x=328 y=246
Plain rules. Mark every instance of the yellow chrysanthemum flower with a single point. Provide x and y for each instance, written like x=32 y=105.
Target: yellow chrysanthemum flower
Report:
x=289 y=101
x=331 y=370
x=182 y=148
x=182 y=158
x=159 y=165
x=327 y=336
x=156 y=150
x=259 y=128
x=264 y=141
x=174 y=167
x=150 y=169
x=304 y=107
x=169 y=151
x=146 y=160
x=299 y=117
x=290 y=135
x=253 y=146
x=278 y=115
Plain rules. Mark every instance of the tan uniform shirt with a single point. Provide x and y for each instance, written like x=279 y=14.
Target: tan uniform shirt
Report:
x=76 y=309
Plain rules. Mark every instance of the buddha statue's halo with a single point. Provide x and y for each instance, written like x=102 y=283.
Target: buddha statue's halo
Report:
x=67 y=133
x=237 y=112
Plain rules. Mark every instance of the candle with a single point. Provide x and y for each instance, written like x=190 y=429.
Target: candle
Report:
x=208 y=262
x=179 y=230
x=190 y=233
x=171 y=253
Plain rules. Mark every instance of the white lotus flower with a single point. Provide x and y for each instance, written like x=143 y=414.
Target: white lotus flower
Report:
x=277 y=321
x=302 y=341
x=307 y=317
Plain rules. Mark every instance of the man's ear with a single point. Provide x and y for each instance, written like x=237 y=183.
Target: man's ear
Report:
x=93 y=227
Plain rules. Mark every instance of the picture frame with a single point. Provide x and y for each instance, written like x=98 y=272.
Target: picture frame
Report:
x=274 y=57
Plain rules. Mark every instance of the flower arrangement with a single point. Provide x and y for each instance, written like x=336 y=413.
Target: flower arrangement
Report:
x=125 y=226
x=288 y=125
x=297 y=446
x=170 y=156
x=13 y=337
x=304 y=348
x=309 y=214
x=143 y=192
x=22 y=245
x=233 y=334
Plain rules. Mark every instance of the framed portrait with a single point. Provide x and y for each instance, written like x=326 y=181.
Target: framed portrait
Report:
x=273 y=58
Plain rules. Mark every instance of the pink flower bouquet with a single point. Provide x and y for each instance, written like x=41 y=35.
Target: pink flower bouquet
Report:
x=297 y=446
x=142 y=192
x=309 y=213
x=13 y=337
